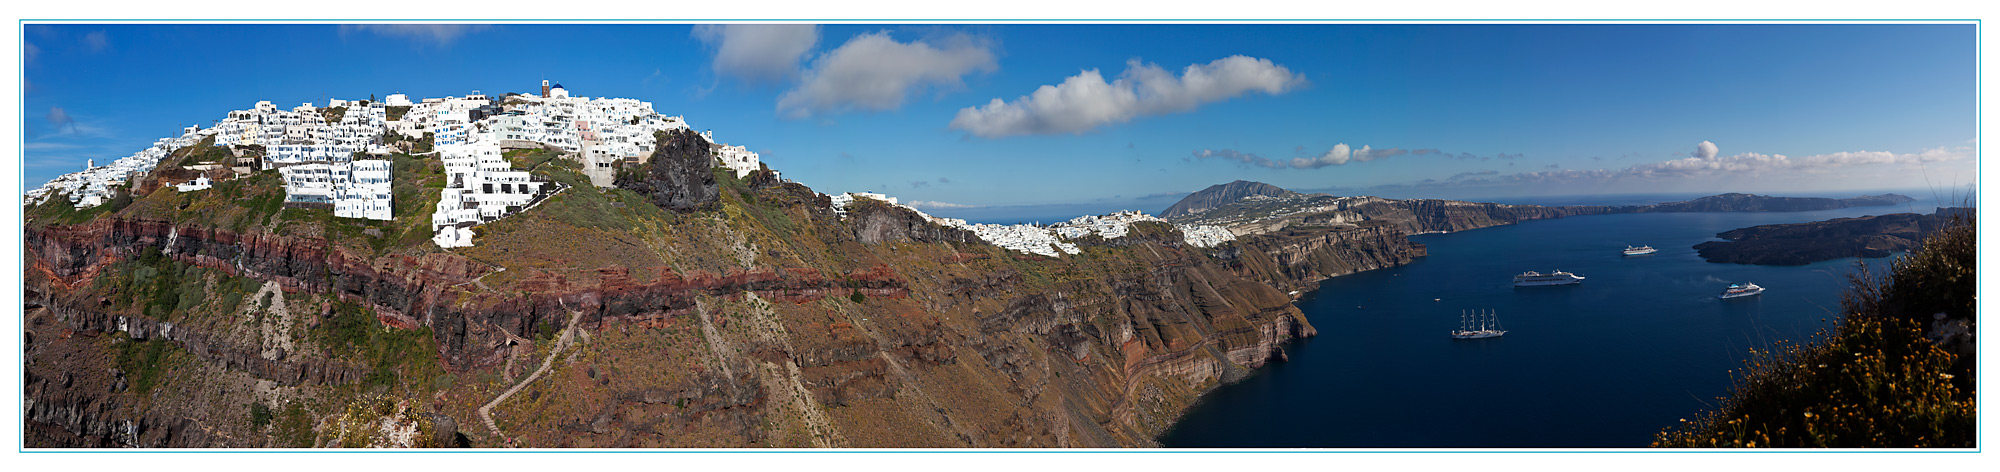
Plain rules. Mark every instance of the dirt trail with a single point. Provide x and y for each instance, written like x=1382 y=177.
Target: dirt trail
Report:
x=562 y=342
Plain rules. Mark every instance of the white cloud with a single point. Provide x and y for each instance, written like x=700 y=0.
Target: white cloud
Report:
x=96 y=41
x=873 y=72
x=1238 y=156
x=939 y=205
x=46 y=146
x=60 y=119
x=758 y=53
x=437 y=34
x=1341 y=154
x=1086 y=101
x=1705 y=150
x=1741 y=166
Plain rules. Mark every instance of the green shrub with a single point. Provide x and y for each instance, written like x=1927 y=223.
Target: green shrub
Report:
x=391 y=355
x=260 y=415
x=1875 y=381
x=144 y=362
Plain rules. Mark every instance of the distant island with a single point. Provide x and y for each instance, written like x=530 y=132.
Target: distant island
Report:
x=1748 y=202
x=1806 y=243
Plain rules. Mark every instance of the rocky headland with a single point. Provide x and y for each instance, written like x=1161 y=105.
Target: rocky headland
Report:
x=1806 y=243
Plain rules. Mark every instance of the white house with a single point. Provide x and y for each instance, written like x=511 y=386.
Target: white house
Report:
x=480 y=186
x=199 y=183
x=356 y=189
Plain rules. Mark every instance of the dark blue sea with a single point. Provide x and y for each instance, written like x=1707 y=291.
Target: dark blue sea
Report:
x=1640 y=344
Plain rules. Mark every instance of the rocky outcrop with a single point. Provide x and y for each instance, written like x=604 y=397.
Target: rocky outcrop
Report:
x=1221 y=194
x=876 y=222
x=1806 y=243
x=57 y=414
x=679 y=175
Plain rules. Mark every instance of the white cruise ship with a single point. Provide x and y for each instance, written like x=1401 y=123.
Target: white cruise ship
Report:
x=1532 y=278
x=1744 y=290
x=1639 y=251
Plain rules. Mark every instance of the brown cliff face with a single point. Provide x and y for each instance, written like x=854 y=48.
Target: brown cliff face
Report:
x=876 y=222
x=1298 y=259
x=1099 y=352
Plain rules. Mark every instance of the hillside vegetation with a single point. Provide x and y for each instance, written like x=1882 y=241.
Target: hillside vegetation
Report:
x=1897 y=372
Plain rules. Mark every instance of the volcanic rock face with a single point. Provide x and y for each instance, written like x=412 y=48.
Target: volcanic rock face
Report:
x=876 y=222
x=1107 y=358
x=1806 y=243
x=1297 y=259
x=679 y=175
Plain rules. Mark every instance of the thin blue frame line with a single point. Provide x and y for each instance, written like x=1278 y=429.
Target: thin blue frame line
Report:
x=1023 y=20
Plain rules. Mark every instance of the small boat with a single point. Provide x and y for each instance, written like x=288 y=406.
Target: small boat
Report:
x=1532 y=278
x=1488 y=326
x=1741 y=290
x=1639 y=251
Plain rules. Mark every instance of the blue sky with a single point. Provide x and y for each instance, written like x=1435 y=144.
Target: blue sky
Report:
x=1452 y=111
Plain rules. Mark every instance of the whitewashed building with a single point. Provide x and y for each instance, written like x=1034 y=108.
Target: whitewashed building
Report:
x=355 y=189
x=480 y=186
x=95 y=184
x=736 y=158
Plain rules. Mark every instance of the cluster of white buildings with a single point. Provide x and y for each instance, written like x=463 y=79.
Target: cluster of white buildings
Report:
x=470 y=134
x=480 y=186
x=316 y=156
x=1024 y=238
x=1030 y=239
x=93 y=185
x=1205 y=235
x=599 y=132
x=1050 y=241
x=303 y=135
x=1110 y=226
x=355 y=189
x=1116 y=225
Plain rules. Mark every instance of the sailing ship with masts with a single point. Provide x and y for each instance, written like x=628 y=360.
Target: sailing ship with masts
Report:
x=1477 y=325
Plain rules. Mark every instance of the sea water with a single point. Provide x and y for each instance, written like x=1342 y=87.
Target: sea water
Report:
x=1642 y=343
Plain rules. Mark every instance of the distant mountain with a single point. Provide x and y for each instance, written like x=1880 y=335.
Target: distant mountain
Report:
x=1748 y=202
x=1222 y=194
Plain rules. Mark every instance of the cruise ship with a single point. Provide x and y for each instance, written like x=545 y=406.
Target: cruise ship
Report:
x=1639 y=251
x=1532 y=278
x=1744 y=290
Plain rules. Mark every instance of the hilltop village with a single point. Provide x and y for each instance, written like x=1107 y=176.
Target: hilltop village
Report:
x=336 y=157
